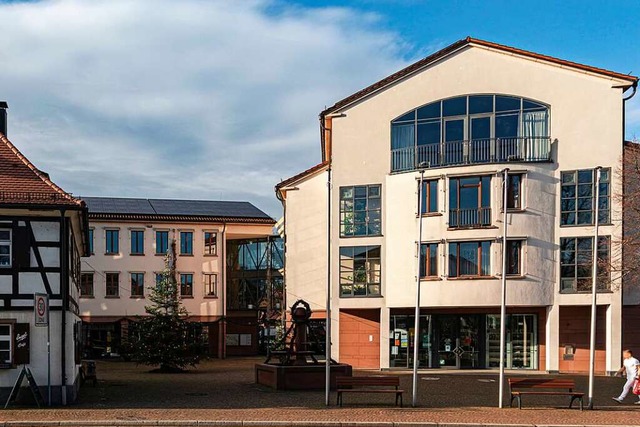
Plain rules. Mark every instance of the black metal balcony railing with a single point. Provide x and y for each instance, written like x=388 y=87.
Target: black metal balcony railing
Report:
x=478 y=217
x=475 y=151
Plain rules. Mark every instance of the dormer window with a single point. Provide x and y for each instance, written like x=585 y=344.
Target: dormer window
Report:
x=470 y=130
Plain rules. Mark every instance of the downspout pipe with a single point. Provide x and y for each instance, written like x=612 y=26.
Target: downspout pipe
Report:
x=64 y=290
x=223 y=289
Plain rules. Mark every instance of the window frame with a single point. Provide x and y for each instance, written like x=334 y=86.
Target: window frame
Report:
x=351 y=280
x=182 y=241
x=520 y=202
x=520 y=263
x=10 y=325
x=427 y=194
x=107 y=249
x=480 y=192
x=426 y=266
x=138 y=274
x=210 y=288
x=344 y=213
x=91 y=240
x=157 y=248
x=182 y=285
x=82 y=284
x=207 y=244
x=115 y=285
x=479 y=259
x=8 y=244
x=131 y=238
x=575 y=288
x=576 y=197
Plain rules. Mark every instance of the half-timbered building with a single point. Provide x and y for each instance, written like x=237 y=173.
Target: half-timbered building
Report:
x=43 y=234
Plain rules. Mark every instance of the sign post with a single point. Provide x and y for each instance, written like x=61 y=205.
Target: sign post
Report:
x=41 y=308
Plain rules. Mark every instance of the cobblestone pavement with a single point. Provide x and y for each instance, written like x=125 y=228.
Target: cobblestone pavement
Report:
x=225 y=390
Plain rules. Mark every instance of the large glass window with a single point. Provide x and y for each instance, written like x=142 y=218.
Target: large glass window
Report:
x=514 y=191
x=470 y=201
x=162 y=242
x=429 y=196
x=576 y=264
x=186 y=285
x=359 y=271
x=186 y=243
x=86 y=285
x=112 y=241
x=578 y=192
x=210 y=243
x=469 y=259
x=470 y=129
x=429 y=260
x=521 y=350
x=137 y=284
x=360 y=210
x=137 y=242
x=5 y=248
x=514 y=257
x=112 y=284
x=210 y=285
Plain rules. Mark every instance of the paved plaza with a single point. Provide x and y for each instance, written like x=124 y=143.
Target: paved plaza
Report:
x=224 y=390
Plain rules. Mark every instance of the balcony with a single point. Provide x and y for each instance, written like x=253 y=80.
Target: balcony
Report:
x=470 y=218
x=472 y=152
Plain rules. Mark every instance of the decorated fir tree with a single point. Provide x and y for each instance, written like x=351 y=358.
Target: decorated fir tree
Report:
x=164 y=338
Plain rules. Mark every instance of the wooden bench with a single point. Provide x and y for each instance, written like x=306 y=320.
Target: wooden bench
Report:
x=369 y=384
x=544 y=386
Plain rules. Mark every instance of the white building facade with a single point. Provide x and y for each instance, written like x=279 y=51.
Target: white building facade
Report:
x=463 y=115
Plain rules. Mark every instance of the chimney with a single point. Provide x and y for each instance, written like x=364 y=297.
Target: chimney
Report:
x=3 y=117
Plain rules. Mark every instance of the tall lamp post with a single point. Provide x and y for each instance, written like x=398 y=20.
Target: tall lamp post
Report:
x=503 y=296
x=416 y=328
x=594 y=290
x=327 y=345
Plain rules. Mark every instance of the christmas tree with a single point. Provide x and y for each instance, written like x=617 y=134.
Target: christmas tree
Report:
x=164 y=337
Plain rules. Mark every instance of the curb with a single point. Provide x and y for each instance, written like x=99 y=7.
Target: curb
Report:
x=224 y=423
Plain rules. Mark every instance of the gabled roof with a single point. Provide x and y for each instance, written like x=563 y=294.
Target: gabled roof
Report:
x=297 y=177
x=118 y=208
x=469 y=41
x=21 y=183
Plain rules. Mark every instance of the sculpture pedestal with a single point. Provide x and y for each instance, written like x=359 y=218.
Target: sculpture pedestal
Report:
x=292 y=377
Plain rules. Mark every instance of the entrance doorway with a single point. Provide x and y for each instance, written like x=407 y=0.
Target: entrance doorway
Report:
x=459 y=341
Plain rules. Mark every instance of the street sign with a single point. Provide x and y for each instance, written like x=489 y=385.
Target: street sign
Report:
x=41 y=309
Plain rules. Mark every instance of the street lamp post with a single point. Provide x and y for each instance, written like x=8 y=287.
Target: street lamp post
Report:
x=594 y=290
x=503 y=296
x=327 y=344
x=416 y=328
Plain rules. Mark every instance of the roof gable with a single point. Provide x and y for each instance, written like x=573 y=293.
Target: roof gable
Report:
x=460 y=44
x=21 y=183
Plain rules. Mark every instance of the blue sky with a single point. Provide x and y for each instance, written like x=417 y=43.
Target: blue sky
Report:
x=219 y=99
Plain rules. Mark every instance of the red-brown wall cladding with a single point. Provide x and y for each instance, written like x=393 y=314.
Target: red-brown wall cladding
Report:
x=575 y=324
x=360 y=338
x=631 y=328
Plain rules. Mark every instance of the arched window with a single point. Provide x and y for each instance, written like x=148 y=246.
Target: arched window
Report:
x=469 y=130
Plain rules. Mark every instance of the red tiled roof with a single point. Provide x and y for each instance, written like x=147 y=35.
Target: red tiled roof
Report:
x=458 y=45
x=21 y=183
x=301 y=175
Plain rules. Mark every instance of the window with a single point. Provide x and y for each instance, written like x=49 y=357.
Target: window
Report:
x=137 y=284
x=514 y=257
x=470 y=201
x=162 y=242
x=186 y=243
x=360 y=210
x=86 y=284
x=360 y=271
x=578 y=190
x=210 y=285
x=159 y=278
x=429 y=260
x=514 y=191
x=186 y=285
x=429 y=197
x=137 y=242
x=112 y=284
x=576 y=264
x=469 y=259
x=470 y=130
x=210 y=243
x=5 y=248
x=6 y=338
x=112 y=241
x=91 y=241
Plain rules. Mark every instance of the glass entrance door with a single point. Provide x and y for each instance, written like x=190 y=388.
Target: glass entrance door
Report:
x=458 y=341
x=402 y=337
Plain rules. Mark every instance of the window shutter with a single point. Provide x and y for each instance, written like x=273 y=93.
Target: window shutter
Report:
x=21 y=339
x=22 y=247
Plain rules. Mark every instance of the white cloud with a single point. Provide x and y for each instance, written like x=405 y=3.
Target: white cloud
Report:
x=189 y=99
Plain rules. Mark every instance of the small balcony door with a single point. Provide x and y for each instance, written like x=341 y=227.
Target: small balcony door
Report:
x=480 y=147
x=455 y=132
